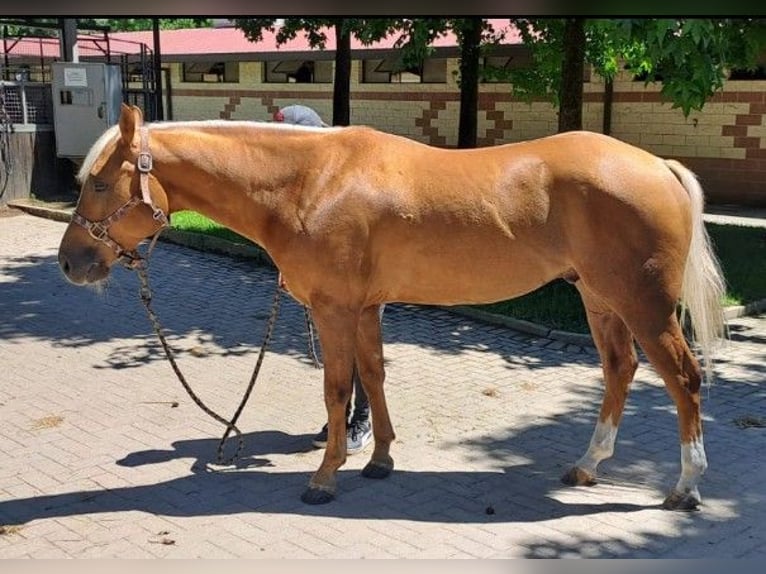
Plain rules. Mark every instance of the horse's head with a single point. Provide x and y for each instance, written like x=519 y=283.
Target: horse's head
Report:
x=121 y=202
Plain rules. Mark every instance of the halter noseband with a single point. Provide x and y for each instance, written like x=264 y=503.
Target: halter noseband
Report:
x=99 y=230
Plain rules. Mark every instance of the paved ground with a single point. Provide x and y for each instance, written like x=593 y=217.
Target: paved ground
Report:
x=95 y=461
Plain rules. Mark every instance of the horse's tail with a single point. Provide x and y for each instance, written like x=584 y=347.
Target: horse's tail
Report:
x=703 y=284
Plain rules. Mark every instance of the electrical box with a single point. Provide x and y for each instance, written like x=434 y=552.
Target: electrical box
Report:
x=86 y=101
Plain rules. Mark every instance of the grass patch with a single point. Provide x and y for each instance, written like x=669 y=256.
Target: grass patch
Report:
x=556 y=305
x=195 y=223
x=742 y=251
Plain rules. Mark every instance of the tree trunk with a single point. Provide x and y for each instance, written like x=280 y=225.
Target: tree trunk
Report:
x=469 y=82
x=341 y=97
x=572 y=71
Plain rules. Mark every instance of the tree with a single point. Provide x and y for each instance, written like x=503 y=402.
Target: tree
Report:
x=691 y=57
x=315 y=30
x=416 y=36
x=468 y=31
x=572 y=72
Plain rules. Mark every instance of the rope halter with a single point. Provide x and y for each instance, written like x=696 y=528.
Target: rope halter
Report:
x=99 y=230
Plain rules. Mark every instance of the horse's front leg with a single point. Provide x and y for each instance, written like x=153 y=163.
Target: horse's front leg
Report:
x=336 y=329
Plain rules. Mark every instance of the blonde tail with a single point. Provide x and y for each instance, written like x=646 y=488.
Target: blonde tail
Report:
x=703 y=285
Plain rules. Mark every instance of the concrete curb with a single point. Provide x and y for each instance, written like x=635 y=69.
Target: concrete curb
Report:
x=528 y=327
x=54 y=213
x=735 y=311
x=221 y=246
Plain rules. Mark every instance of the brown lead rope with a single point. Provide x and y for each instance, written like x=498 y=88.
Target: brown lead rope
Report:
x=146 y=299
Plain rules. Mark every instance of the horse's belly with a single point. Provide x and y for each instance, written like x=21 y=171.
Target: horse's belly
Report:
x=468 y=278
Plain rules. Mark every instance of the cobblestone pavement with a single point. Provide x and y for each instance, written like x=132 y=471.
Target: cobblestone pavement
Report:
x=97 y=461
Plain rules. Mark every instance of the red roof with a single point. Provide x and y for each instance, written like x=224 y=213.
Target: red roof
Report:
x=208 y=41
x=233 y=41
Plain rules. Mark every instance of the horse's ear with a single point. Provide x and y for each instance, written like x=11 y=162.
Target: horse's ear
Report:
x=130 y=119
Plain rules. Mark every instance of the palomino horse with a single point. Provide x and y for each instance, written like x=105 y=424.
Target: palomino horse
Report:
x=354 y=218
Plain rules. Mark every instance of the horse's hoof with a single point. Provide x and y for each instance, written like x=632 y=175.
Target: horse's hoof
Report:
x=683 y=501
x=576 y=476
x=377 y=469
x=317 y=496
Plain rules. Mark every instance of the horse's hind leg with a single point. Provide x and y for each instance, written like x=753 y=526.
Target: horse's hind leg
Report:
x=667 y=350
x=369 y=360
x=619 y=362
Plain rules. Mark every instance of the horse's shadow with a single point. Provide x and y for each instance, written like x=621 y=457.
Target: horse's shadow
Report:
x=514 y=494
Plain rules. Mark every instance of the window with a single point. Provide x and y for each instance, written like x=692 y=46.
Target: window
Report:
x=211 y=72
x=498 y=69
x=494 y=69
x=299 y=72
x=759 y=73
x=135 y=72
x=24 y=72
x=392 y=70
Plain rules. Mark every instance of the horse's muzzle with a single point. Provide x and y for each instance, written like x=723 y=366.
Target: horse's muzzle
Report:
x=82 y=267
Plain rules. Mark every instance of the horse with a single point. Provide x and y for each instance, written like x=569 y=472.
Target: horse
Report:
x=354 y=218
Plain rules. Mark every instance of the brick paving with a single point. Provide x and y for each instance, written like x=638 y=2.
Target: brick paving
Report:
x=96 y=461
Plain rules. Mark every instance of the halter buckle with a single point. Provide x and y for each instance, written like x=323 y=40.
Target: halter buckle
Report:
x=98 y=231
x=159 y=216
x=144 y=162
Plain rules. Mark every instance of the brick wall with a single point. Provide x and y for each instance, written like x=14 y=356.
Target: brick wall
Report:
x=725 y=143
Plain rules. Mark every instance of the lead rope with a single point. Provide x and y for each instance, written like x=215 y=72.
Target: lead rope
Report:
x=311 y=345
x=146 y=299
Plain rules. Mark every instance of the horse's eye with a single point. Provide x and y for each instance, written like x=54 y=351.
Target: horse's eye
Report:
x=100 y=185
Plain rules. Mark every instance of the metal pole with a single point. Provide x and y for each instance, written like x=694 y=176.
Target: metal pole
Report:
x=157 y=69
x=69 y=51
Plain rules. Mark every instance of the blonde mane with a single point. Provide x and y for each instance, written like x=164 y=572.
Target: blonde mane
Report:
x=112 y=133
x=95 y=151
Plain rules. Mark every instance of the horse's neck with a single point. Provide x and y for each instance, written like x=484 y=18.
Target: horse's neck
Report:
x=243 y=180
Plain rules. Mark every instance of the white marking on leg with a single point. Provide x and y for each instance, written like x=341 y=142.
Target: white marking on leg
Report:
x=693 y=465
x=601 y=446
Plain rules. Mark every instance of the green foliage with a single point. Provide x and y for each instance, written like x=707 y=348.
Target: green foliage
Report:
x=37 y=27
x=690 y=56
x=314 y=29
x=544 y=37
x=51 y=26
x=414 y=35
x=742 y=252
x=136 y=24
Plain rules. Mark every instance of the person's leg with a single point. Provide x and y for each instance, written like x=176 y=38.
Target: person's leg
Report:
x=359 y=432
x=361 y=402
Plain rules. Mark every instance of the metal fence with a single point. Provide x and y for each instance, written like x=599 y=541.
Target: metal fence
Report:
x=26 y=103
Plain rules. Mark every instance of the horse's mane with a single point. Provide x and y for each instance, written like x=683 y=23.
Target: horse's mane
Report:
x=106 y=138
x=112 y=133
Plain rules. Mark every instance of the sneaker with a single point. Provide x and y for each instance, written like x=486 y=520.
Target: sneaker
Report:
x=320 y=439
x=358 y=435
